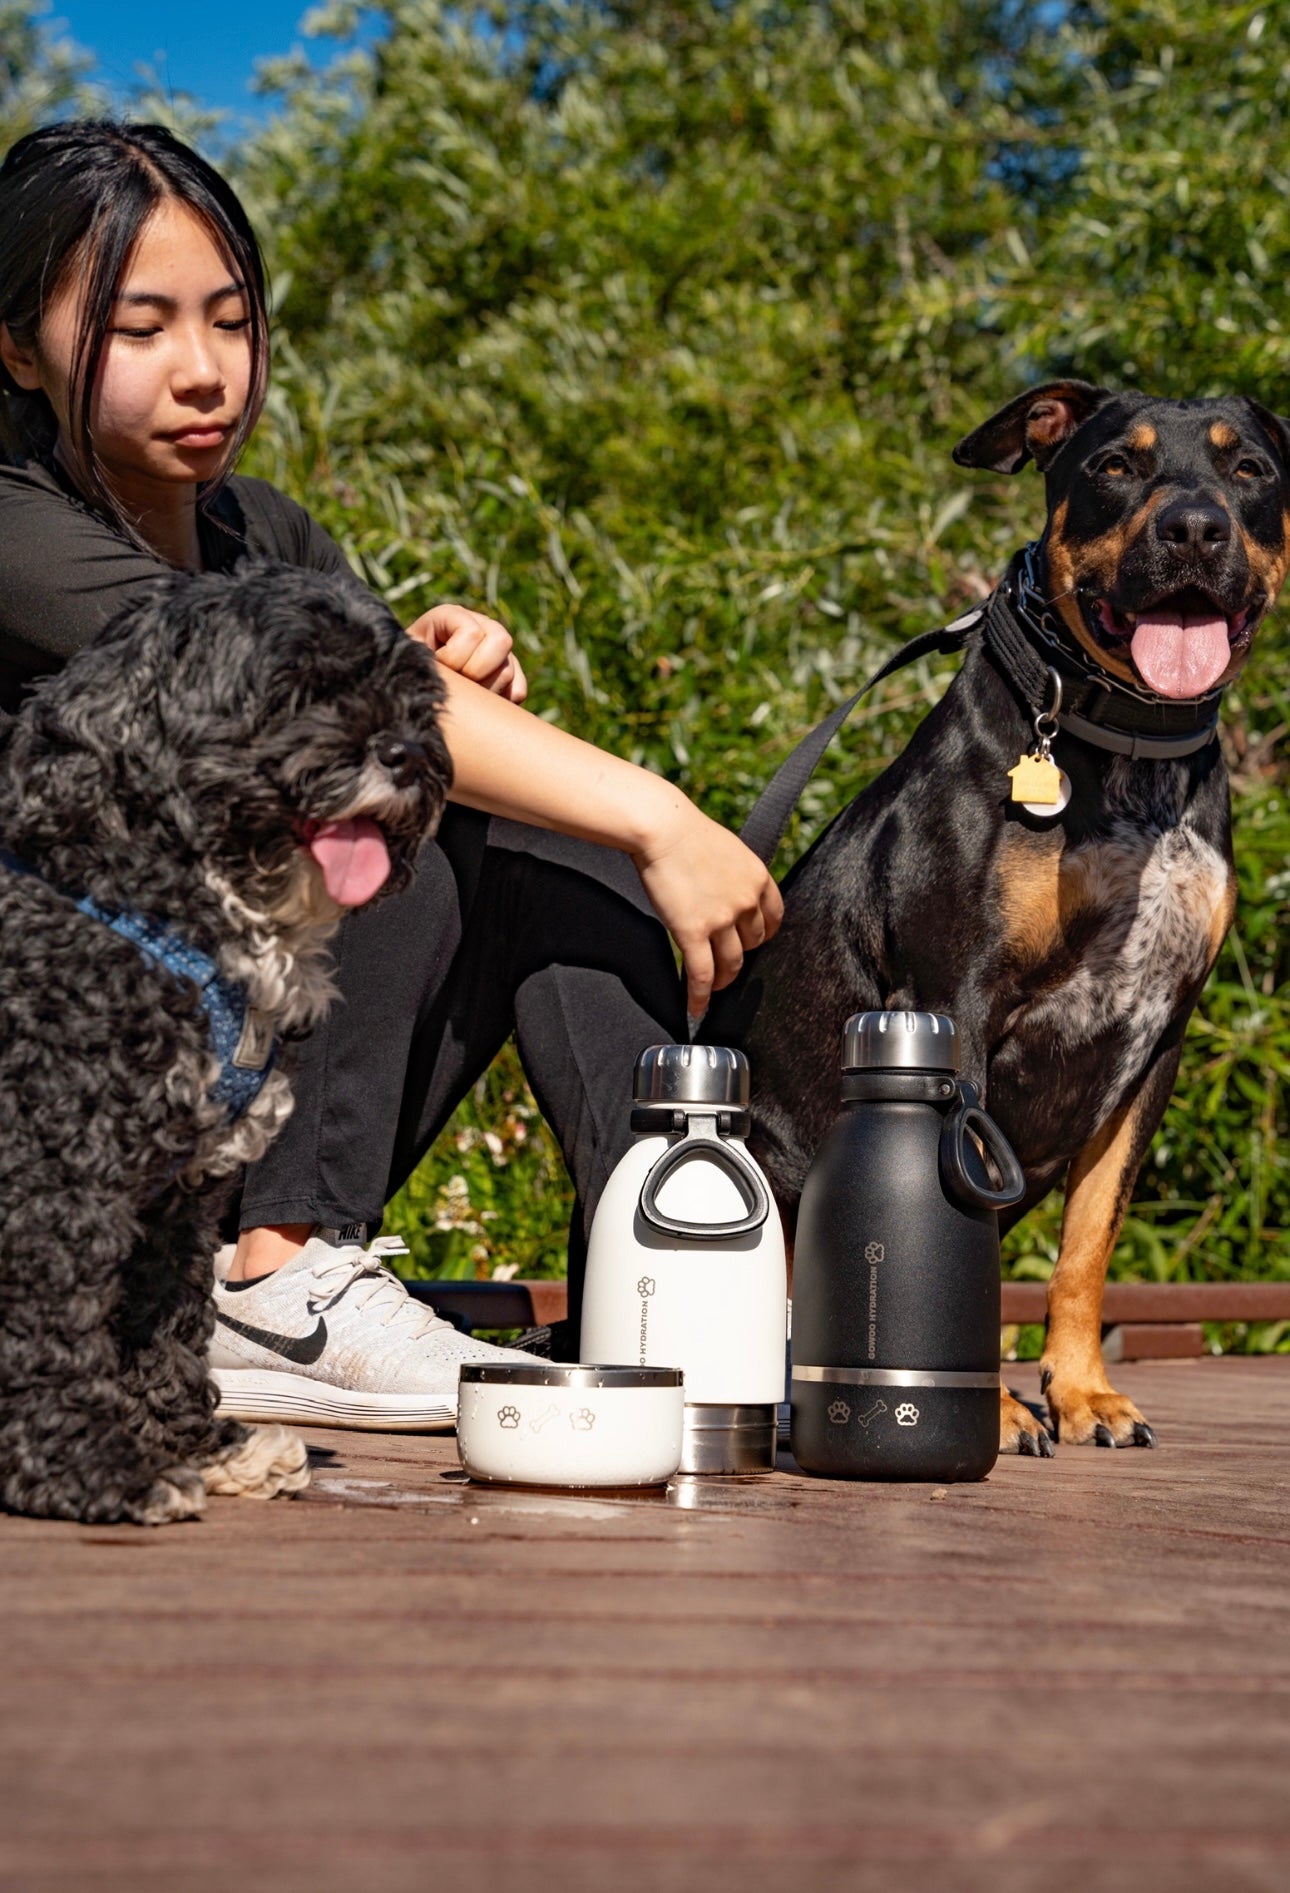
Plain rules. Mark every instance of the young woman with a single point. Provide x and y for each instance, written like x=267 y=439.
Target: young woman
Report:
x=133 y=366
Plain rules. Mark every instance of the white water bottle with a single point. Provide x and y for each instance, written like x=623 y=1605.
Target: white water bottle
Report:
x=685 y=1266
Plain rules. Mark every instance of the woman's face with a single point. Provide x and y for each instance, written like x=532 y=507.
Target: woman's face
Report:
x=175 y=374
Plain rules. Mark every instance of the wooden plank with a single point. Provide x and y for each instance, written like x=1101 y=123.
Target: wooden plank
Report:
x=1163 y=1301
x=1153 y=1341
x=527 y=1304
x=478 y=1304
x=549 y=1300
x=495 y=1304
x=403 y=1680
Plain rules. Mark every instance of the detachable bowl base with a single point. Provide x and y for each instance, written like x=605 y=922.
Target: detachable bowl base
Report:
x=722 y=1439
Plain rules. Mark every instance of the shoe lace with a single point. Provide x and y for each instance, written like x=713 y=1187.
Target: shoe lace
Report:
x=376 y=1289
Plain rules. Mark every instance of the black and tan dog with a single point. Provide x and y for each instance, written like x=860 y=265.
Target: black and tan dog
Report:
x=1070 y=944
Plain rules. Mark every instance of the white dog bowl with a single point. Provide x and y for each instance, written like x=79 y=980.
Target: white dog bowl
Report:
x=574 y=1426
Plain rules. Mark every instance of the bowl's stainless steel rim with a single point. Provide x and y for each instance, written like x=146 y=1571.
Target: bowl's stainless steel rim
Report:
x=555 y=1374
x=728 y=1439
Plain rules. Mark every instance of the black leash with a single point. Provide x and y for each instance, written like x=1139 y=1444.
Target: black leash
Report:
x=1096 y=708
x=764 y=829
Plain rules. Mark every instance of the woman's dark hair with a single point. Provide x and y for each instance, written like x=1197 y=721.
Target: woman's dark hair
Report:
x=74 y=197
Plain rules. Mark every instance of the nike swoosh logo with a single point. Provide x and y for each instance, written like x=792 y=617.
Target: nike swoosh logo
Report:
x=303 y=1349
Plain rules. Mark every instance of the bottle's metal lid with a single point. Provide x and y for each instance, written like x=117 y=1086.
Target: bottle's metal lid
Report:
x=692 y=1074
x=900 y=1041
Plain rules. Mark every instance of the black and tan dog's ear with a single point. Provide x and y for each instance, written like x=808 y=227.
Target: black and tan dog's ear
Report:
x=1277 y=430
x=1032 y=427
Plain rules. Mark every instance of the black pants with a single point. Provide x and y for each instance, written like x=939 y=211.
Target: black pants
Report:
x=506 y=929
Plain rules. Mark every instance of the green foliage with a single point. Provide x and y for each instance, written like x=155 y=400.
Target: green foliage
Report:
x=649 y=325
x=40 y=74
x=492 y=1199
x=1173 y=236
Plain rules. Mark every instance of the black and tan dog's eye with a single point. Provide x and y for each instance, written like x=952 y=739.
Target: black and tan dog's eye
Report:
x=1248 y=469
x=1115 y=465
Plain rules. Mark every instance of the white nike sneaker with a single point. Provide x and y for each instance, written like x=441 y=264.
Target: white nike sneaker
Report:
x=334 y=1339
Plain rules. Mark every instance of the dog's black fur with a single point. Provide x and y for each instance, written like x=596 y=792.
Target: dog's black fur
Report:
x=1069 y=950
x=171 y=769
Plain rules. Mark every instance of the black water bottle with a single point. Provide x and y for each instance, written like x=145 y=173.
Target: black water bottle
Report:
x=895 y=1347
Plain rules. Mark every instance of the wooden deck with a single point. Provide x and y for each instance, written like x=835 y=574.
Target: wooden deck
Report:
x=1073 y=1676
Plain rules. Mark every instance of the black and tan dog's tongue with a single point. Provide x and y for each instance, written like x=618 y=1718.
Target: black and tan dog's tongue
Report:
x=1181 y=653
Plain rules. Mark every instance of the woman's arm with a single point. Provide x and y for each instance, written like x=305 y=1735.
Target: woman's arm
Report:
x=63 y=573
x=713 y=894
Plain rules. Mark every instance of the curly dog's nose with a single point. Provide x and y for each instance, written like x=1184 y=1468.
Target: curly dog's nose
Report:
x=404 y=758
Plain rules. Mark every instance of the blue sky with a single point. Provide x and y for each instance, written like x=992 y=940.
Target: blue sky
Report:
x=207 y=49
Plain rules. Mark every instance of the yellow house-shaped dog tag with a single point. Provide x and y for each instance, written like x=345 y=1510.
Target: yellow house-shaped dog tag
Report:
x=1036 y=779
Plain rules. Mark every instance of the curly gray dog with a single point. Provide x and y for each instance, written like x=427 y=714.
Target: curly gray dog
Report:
x=185 y=812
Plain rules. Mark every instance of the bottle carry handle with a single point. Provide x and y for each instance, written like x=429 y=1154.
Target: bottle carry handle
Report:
x=966 y=1119
x=702 y=1139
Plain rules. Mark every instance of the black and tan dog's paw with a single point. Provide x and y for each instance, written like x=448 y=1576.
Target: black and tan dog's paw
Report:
x=1093 y=1416
x=1021 y=1431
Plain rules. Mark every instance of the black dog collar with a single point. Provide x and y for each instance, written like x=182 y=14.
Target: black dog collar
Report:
x=1096 y=708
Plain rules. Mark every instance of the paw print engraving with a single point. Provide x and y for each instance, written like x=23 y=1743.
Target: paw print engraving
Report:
x=839 y=1412
x=508 y=1417
x=906 y=1414
x=645 y=1286
x=582 y=1420
x=874 y=1252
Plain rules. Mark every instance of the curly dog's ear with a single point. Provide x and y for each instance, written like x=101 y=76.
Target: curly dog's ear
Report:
x=69 y=753
x=59 y=787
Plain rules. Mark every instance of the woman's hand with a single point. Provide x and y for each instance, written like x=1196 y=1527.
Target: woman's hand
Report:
x=713 y=894
x=716 y=898
x=473 y=646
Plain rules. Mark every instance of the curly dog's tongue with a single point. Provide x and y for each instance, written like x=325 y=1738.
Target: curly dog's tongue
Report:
x=353 y=857
x=1181 y=653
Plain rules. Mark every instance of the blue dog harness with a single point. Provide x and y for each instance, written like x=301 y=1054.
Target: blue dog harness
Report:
x=241 y=1037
